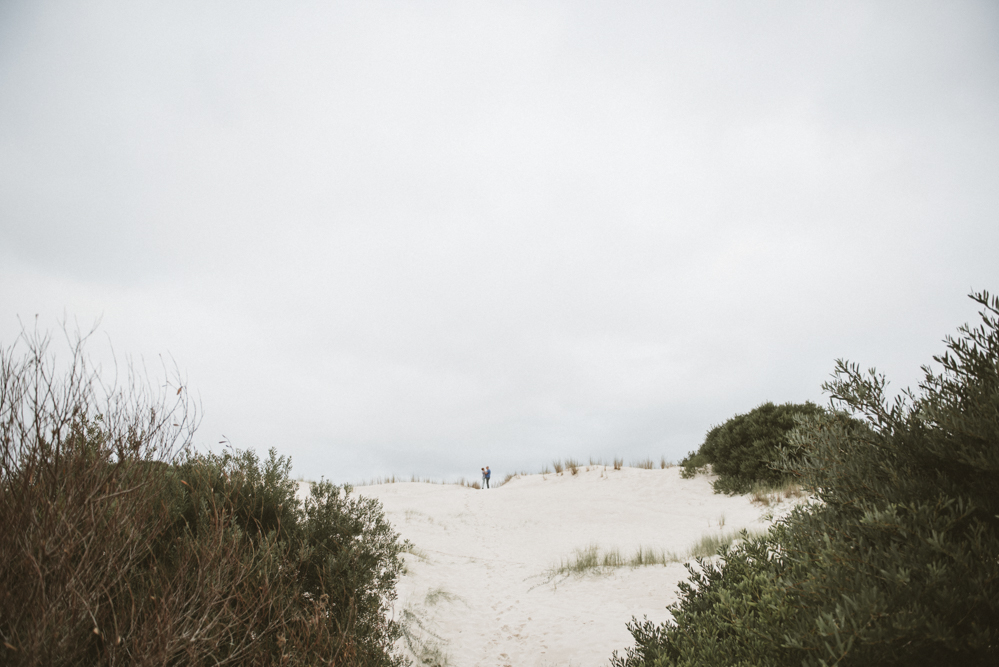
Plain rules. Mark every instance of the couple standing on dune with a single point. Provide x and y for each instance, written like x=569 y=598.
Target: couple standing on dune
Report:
x=485 y=477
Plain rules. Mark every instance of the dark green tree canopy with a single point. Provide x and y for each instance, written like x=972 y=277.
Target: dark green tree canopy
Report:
x=894 y=562
x=743 y=451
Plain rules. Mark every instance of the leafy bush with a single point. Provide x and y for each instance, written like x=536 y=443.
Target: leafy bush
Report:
x=693 y=464
x=742 y=451
x=895 y=564
x=340 y=557
x=118 y=546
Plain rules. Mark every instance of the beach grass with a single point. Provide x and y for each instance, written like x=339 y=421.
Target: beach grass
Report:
x=593 y=559
x=427 y=647
x=416 y=551
x=437 y=595
x=392 y=479
x=511 y=476
x=766 y=494
x=558 y=466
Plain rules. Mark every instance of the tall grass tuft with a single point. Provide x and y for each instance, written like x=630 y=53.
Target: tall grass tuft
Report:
x=557 y=465
x=709 y=544
x=508 y=477
x=618 y=462
x=572 y=465
x=645 y=464
x=651 y=556
x=770 y=494
x=593 y=559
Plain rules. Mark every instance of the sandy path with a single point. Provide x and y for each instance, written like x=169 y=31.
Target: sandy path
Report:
x=476 y=592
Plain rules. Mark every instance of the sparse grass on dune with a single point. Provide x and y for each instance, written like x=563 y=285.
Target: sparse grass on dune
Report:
x=766 y=494
x=417 y=552
x=710 y=543
x=438 y=595
x=571 y=465
x=617 y=463
x=427 y=647
x=647 y=464
x=392 y=479
x=763 y=493
x=559 y=466
x=375 y=481
x=593 y=559
x=510 y=476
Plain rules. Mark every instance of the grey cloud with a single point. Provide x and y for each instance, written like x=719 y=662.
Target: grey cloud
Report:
x=406 y=237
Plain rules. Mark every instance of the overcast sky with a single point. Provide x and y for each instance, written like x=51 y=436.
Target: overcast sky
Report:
x=423 y=237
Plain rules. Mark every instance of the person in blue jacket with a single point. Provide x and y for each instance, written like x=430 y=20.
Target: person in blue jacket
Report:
x=487 y=476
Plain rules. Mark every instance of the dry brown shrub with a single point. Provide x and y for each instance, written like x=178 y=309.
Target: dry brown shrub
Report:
x=95 y=568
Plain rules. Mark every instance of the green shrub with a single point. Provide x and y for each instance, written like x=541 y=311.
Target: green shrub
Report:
x=340 y=557
x=693 y=464
x=743 y=450
x=895 y=563
x=117 y=546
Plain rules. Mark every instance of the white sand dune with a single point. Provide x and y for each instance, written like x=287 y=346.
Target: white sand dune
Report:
x=476 y=591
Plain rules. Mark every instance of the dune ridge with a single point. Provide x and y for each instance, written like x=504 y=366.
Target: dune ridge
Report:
x=482 y=586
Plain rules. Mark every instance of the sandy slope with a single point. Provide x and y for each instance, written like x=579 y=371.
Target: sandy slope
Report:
x=479 y=594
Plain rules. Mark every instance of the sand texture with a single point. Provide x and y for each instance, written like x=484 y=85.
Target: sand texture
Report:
x=478 y=589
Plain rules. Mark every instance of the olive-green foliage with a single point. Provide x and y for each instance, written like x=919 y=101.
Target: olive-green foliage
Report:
x=895 y=564
x=353 y=556
x=743 y=450
x=119 y=547
x=336 y=556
